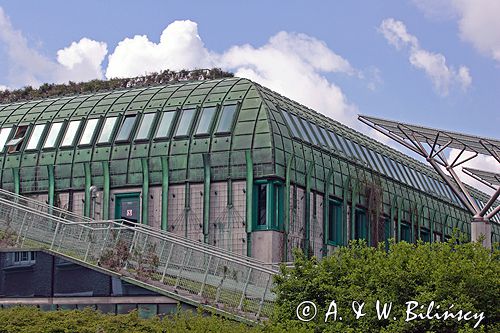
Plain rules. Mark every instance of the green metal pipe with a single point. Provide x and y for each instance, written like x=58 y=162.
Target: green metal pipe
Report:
x=50 y=172
x=307 y=219
x=249 y=200
x=164 y=192
x=105 y=190
x=206 y=196
x=145 y=191
x=17 y=181
x=88 y=180
x=286 y=222
x=326 y=212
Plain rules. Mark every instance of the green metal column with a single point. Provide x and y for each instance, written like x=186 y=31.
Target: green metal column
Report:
x=307 y=219
x=105 y=190
x=17 y=181
x=354 y=201
x=88 y=180
x=164 y=192
x=249 y=199
x=286 y=222
x=206 y=196
x=50 y=173
x=326 y=212
x=145 y=191
x=399 y=220
x=345 y=185
x=431 y=221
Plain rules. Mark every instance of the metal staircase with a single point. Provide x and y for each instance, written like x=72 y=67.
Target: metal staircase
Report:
x=186 y=270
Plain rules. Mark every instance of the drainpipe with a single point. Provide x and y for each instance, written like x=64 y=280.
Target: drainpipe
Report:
x=249 y=200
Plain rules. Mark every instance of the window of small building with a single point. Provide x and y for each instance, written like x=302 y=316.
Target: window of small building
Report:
x=126 y=128
x=335 y=223
x=71 y=131
x=35 y=137
x=88 y=132
x=268 y=200
x=145 y=127
x=425 y=235
x=405 y=232
x=107 y=130
x=21 y=258
x=165 y=124
x=206 y=119
x=16 y=142
x=4 y=135
x=261 y=204
x=226 y=118
x=54 y=131
x=360 y=224
x=185 y=121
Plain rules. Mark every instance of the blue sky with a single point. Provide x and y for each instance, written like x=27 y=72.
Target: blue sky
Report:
x=432 y=62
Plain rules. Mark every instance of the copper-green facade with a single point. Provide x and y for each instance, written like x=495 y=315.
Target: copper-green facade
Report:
x=274 y=175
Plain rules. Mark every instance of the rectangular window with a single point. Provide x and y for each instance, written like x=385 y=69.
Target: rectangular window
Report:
x=145 y=128
x=425 y=235
x=360 y=224
x=405 y=232
x=226 y=118
x=4 y=135
x=336 y=141
x=318 y=134
x=55 y=128
x=206 y=118
x=107 y=130
x=327 y=137
x=88 y=132
x=126 y=128
x=261 y=204
x=22 y=258
x=303 y=135
x=335 y=222
x=71 y=131
x=309 y=131
x=185 y=121
x=35 y=137
x=165 y=124
x=290 y=123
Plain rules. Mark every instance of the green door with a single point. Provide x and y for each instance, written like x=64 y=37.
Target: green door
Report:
x=127 y=207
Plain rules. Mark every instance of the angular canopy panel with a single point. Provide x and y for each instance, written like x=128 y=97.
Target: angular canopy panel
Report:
x=491 y=179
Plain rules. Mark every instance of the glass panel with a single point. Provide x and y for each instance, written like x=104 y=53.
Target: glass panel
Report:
x=335 y=222
x=291 y=125
x=303 y=135
x=403 y=173
x=261 y=204
x=4 y=134
x=425 y=187
x=357 y=151
x=226 y=118
x=145 y=128
x=69 y=137
x=35 y=136
x=343 y=143
x=350 y=148
x=360 y=228
x=405 y=232
x=55 y=128
x=309 y=131
x=165 y=124
x=389 y=167
x=336 y=141
x=327 y=137
x=88 y=132
x=207 y=115
x=107 y=130
x=185 y=122
x=126 y=129
x=318 y=134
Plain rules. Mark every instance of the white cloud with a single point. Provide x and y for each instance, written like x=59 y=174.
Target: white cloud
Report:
x=478 y=21
x=434 y=65
x=2 y=87
x=289 y=63
x=180 y=47
x=80 y=61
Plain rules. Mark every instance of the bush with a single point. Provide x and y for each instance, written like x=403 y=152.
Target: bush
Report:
x=465 y=275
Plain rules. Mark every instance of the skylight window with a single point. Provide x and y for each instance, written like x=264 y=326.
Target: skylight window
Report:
x=290 y=123
x=126 y=129
x=309 y=131
x=88 y=132
x=145 y=128
x=318 y=134
x=35 y=137
x=303 y=135
x=165 y=124
x=55 y=128
x=4 y=135
x=71 y=131
x=226 y=118
x=205 y=123
x=107 y=130
x=185 y=121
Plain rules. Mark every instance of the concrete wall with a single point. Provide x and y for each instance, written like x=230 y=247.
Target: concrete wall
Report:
x=267 y=245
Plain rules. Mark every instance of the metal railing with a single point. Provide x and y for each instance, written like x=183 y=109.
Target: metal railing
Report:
x=200 y=274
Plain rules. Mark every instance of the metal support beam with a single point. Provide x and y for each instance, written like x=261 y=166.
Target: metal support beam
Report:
x=249 y=200
x=286 y=222
x=17 y=180
x=50 y=173
x=145 y=191
x=326 y=212
x=164 y=192
x=206 y=196
x=105 y=190
x=88 y=183
x=489 y=203
x=307 y=229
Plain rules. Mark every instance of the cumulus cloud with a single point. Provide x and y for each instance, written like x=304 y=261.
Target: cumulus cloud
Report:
x=478 y=21
x=434 y=65
x=78 y=62
x=291 y=64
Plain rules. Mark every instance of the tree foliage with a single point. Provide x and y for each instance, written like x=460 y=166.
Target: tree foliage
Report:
x=465 y=275
x=47 y=90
